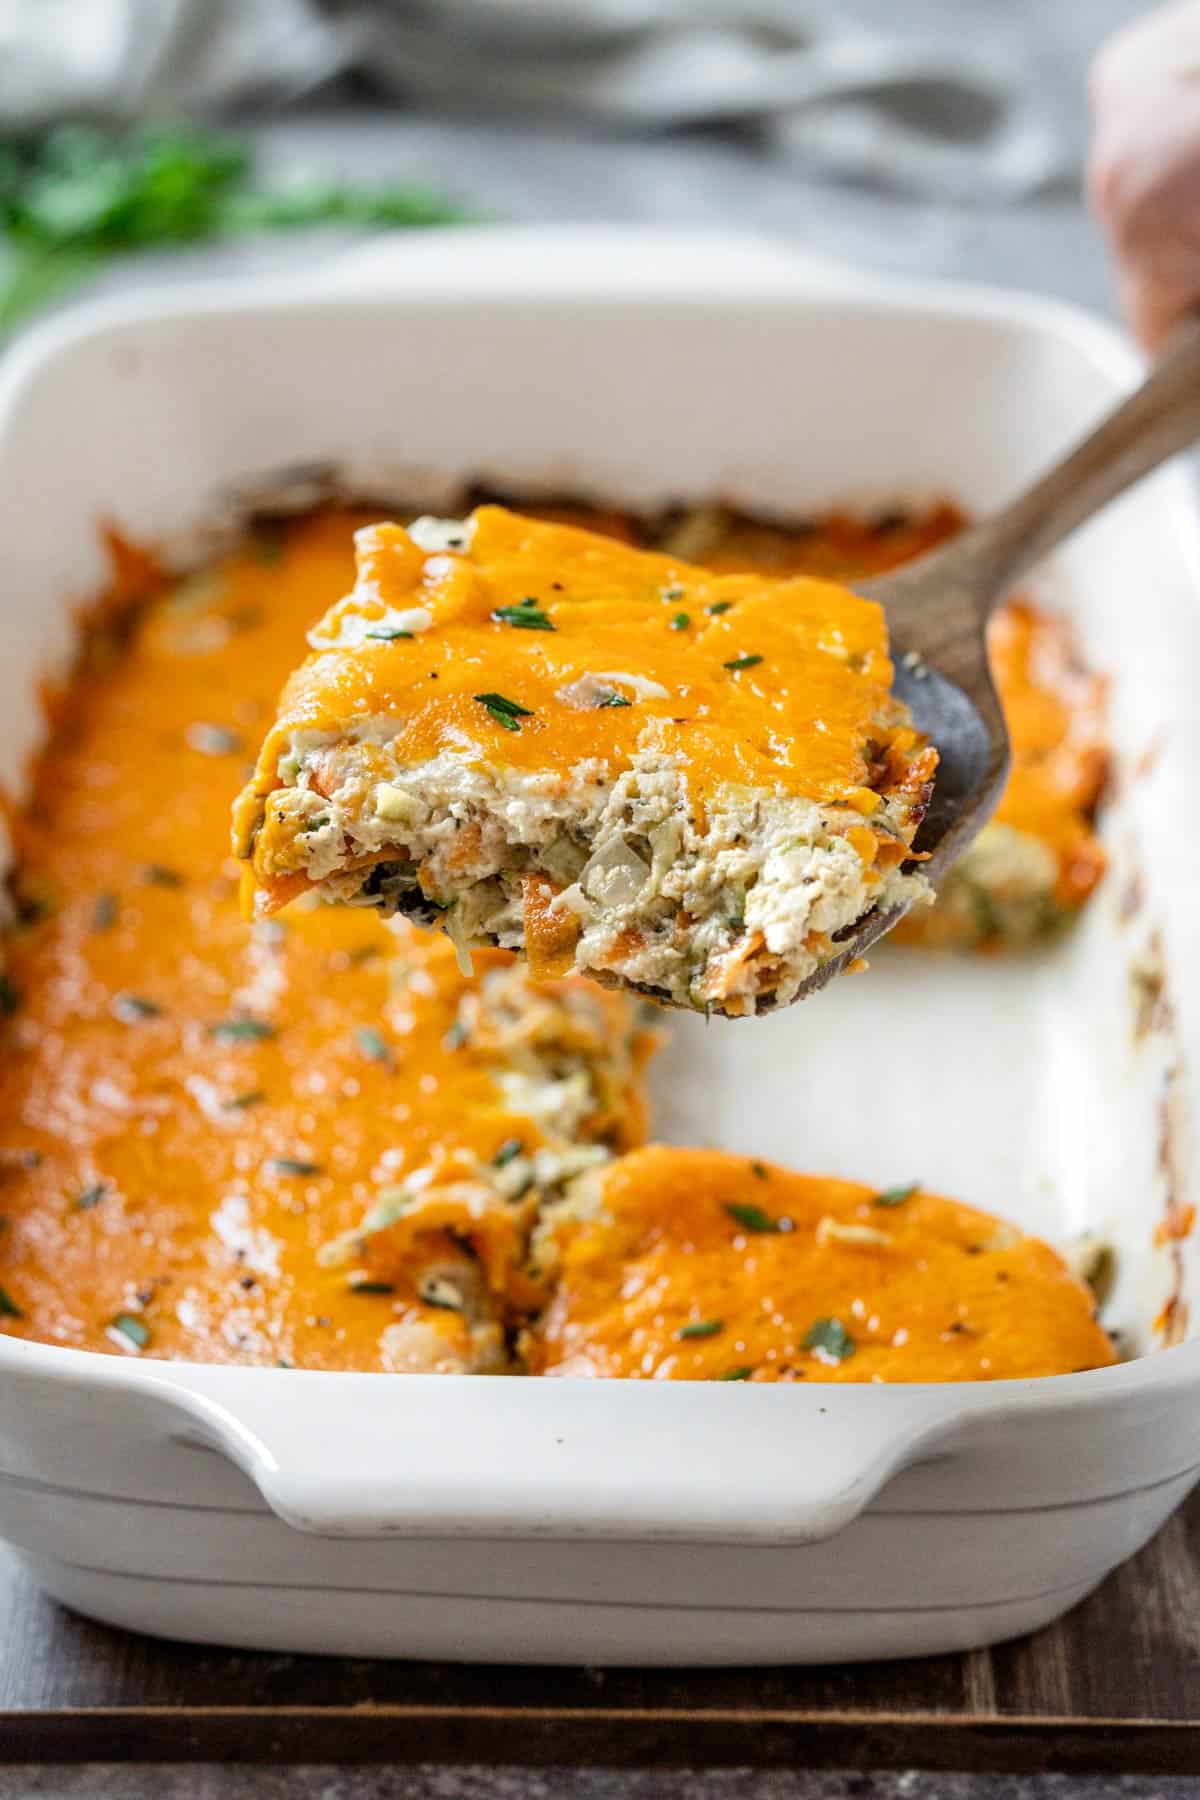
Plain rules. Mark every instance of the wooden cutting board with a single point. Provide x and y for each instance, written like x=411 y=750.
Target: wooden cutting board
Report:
x=1114 y=1686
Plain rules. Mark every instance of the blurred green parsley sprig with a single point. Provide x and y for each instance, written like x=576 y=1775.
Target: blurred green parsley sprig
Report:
x=79 y=197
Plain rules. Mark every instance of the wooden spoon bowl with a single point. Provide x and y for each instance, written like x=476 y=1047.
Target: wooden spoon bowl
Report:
x=938 y=609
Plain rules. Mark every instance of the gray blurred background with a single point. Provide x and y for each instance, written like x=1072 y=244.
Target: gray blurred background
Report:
x=937 y=137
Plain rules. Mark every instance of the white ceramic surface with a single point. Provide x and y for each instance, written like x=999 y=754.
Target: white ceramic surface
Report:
x=633 y=1522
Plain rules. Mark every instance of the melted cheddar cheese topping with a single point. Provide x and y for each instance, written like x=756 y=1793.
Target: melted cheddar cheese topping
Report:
x=698 y=1265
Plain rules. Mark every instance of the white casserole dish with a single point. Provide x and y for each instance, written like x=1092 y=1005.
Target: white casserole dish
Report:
x=630 y=1522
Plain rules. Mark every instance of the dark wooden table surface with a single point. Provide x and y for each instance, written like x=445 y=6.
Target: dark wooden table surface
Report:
x=1115 y=1687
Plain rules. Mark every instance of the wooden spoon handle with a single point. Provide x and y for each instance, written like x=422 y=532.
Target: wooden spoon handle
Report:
x=1161 y=418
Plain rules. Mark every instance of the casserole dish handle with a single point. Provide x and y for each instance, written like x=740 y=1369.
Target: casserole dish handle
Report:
x=371 y=1456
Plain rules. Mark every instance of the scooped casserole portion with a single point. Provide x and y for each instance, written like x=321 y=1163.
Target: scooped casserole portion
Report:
x=535 y=736
x=313 y=1141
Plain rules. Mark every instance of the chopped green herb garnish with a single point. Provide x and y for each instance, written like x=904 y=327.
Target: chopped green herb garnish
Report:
x=105 y=912
x=456 y=1037
x=761 y=1170
x=132 y=1008
x=241 y=1031
x=680 y=622
x=387 y=634
x=743 y=662
x=292 y=1165
x=670 y=593
x=91 y=1196
x=613 y=700
x=753 y=1218
x=896 y=1196
x=742 y=1373
x=701 y=1328
x=10 y=999
x=283 y=1363
x=134 y=1330
x=212 y=740
x=830 y=1339
x=77 y=197
x=505 y=712
x=8 y=1306
x=718 y=607
x=526 y=616
x=371 y=1287
x=509 y=1149
x=373 y=1044
x=158 y=875
x=317 y=824
x=241 y=1102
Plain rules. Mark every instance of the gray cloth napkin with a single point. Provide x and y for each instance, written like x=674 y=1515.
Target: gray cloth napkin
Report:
x=931 y=117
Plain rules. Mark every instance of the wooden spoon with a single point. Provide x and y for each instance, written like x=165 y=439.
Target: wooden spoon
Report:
x=938 y=608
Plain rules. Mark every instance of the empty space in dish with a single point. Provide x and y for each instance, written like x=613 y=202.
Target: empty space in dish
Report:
x=1022 y=1083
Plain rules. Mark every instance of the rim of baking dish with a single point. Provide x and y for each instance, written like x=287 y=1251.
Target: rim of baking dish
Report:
x=530 y=266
